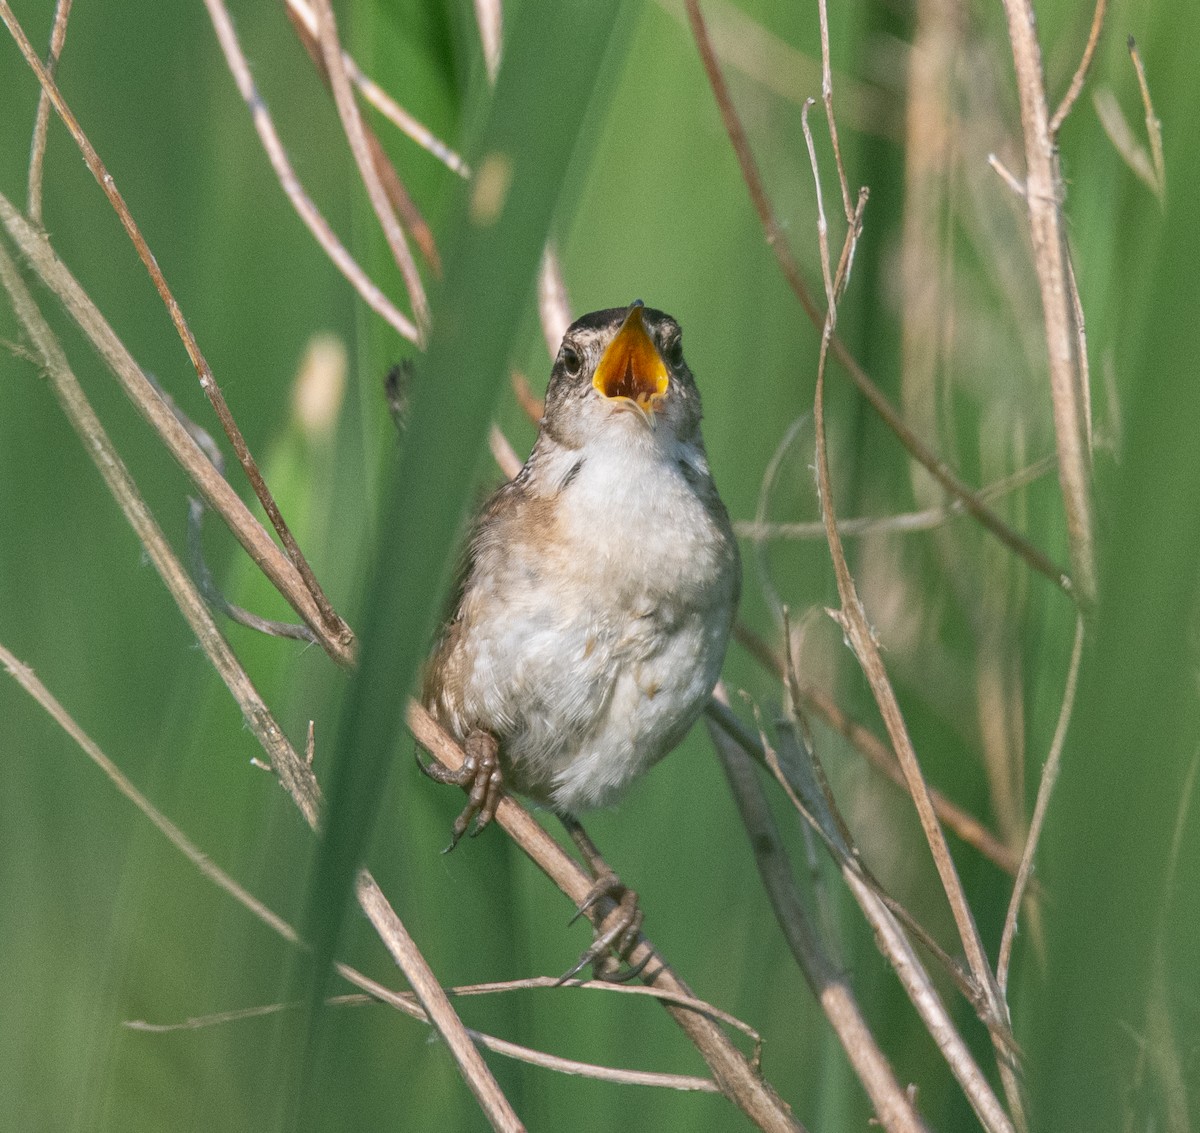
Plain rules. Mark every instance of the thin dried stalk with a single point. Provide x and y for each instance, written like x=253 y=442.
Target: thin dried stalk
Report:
x=900 y=524
x=396 y=191
x=1081 y=72
x=38 y=253
x=301 y=12
x=235 y=60
x=938 y=468
x=208 y=383
x=294 y=773
x=1043 y=197
x=891 y=940
x=1153 y=124
x=1045 y=790
x=343 y=95
x=41 y=124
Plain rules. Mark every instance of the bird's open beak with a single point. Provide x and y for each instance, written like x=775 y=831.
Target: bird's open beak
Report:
x=632 y=367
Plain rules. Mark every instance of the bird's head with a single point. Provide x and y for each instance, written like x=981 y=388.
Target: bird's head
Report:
x=622 y=368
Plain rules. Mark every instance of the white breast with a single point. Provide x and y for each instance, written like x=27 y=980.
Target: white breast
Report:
x=600 y=653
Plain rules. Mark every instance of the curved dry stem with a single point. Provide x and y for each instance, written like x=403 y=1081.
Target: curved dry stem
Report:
x=853 y=620
x=333 y=623
x=1045 y=790
x=239 y=68
x=343 y=95
x=1081 y=72
x=41 y=123
x=38 y=253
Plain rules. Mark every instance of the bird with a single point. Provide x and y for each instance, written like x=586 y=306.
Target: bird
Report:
x=597 y=595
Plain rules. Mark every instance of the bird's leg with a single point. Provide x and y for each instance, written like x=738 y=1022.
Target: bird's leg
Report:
x=617 y=941
x=479 y=776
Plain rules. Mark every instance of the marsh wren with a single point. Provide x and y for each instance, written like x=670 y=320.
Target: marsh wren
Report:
x=600 y=588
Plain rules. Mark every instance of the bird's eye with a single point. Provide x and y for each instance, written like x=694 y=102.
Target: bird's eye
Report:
x=673 y=351
x=571 y=360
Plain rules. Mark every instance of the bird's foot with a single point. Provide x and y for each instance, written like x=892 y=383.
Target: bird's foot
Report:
x=616 y=935
x=479 y=776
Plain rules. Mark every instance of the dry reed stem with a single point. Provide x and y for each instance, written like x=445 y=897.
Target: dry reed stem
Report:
x=860 y=636
x=1045 y=789
x=212 y=391
x=394 y=188
x=302 y=12
x=294 y=773
x=893 y=1106
x=1043 y=198
x=41 y=122
x=938 y=468
x=324 y=235
x=902 y=523
x=39 y=254
x=1081 y=72
x=347 y=107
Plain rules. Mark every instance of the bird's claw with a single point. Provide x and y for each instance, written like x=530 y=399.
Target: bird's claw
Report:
x=480 y=776
x=615 y=941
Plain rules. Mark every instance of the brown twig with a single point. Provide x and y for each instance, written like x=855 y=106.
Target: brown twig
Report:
x=347 y=107
x=1045 y=789
x=396 y=191
x=1081 y=72
x=736 y=1077
x=293 y=772
x=329 y=616
x=239 y=68
x=917 y=448
x=1043 y=196
x=41 y=124
x=38 y=253
x=301 y=13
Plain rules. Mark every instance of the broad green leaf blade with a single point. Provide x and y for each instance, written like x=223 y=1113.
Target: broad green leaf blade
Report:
x=556 y=59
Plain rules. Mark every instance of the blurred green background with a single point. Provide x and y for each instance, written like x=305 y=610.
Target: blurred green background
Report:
x=102 y=922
